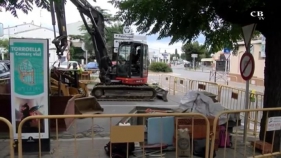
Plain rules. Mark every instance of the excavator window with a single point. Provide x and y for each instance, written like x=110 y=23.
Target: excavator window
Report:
x=145 y=61
x=123 y=60
x=132 y=60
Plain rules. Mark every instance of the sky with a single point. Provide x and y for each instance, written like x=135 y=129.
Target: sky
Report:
x=43 y=17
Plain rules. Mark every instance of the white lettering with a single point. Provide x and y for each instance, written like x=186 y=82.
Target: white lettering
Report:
x=23 y=54
x=253 y=13
x=258 y=14
x=27 y=51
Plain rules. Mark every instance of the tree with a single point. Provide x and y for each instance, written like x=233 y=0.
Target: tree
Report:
x=220 y=21
x=194 y=48
x=183 y=57
x=115 y=28
x=174 y=55
x=86 y=36
x=4 y=47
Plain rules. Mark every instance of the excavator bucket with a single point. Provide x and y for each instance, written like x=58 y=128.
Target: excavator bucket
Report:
x=161 y=94
x=87 y=105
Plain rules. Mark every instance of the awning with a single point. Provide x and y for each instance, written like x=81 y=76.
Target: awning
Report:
x=207 y=59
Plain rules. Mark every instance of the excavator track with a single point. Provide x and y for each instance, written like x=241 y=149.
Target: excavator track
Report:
x=120 y=92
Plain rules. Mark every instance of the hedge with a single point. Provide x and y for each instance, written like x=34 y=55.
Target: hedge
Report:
x=160 y=67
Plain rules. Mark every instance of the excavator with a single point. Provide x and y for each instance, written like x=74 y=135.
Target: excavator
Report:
x=127 y=78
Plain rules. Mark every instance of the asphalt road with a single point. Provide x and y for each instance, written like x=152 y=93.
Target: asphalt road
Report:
x=180 y=71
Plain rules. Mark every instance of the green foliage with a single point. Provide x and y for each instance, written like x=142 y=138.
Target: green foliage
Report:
x=159 y=67
x=183 y=56
x=115 y=28
x=194 y=48
x=174 y=55
x=26 y=5
x=185 y=20
x=4 y=43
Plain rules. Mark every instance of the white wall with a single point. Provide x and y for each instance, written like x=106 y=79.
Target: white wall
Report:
x=37 y=33
x=18 y=28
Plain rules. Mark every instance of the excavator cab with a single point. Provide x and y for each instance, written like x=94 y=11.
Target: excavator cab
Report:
x=132 y=63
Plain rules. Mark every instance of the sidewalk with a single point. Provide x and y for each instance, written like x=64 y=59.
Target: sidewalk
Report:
x=88 y=148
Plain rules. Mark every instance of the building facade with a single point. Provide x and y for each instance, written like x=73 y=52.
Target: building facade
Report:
x=30 y=30
x=258 y=53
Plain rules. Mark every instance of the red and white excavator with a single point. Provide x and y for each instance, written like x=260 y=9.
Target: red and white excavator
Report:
x=124 y=80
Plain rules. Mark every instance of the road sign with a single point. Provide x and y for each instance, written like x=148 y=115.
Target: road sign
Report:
x=194 y=55
x=117 y=42
x=247 y=66
x=247 y=34
x=226 y=51
x=226 y=56
x=127 y=30
x=123 y=36
x=130 y=37
x=115 y=50
x=274 y=123
x=1 y=30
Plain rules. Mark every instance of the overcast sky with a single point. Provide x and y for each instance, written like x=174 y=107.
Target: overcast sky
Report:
x=72 y=15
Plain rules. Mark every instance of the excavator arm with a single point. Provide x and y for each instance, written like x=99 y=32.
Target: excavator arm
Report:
x=95 y=28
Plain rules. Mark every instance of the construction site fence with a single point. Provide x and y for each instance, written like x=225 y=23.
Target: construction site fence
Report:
x=195 y=123
x=230 y=97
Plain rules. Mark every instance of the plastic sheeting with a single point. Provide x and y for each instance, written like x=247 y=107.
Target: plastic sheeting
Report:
x=198 y=102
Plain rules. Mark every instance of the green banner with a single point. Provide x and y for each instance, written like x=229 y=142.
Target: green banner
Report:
x=28 y=68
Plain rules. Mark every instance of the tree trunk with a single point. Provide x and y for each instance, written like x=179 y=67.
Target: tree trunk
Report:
x=272 y=83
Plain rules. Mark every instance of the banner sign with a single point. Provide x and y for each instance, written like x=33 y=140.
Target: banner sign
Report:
x=29 y=86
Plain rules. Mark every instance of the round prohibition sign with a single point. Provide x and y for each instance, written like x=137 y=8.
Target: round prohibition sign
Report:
x=247 y=66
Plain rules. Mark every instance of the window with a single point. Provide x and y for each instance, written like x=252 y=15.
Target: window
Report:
x=123 y=59
x=2 y=69
x=124 y=53
x=145 y=60
x=63 y=63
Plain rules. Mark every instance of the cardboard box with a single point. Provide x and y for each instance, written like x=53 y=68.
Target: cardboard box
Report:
x=196 y=126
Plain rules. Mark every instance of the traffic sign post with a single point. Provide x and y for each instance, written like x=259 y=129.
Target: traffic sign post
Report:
x=127 y=36
x=193 y=61
x=247 y=69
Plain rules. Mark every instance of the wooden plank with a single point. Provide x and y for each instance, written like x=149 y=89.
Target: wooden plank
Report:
x=123 y=134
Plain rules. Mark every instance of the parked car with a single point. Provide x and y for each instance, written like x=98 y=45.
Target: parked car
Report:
x=64 y=65
x=7 y=62
x=91 y=65
x=4 y=70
